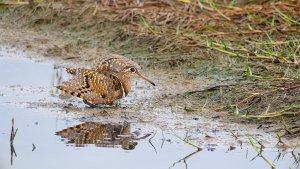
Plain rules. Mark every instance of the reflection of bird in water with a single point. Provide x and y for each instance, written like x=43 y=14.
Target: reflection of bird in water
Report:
x=102 y=135
x=109 y=81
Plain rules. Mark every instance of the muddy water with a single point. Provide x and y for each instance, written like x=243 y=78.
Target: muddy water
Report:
x=55 y=138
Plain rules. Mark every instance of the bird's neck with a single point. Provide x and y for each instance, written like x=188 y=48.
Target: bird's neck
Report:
x=126 y=84
x=125 y=81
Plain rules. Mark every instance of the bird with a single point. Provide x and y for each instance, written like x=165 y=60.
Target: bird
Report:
x=103 y=84
x=100 y=134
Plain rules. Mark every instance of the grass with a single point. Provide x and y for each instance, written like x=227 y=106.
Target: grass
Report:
x=286 y=52
x=146 y=24
x=286 y=17
x=266 y=114
x=258 y=147
x=291 y=109
x=286 y=77
x=187 y=141
x=213 y=6
x=267 y=49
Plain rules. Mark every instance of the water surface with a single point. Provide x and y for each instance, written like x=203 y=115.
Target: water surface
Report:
x=38 y=145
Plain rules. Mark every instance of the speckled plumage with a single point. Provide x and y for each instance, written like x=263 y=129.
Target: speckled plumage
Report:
x=109 y=81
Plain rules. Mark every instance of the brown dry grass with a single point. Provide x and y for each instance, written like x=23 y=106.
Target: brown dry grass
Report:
x=171 y=24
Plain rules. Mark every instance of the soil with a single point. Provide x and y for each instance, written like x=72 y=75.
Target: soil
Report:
x=196 y=89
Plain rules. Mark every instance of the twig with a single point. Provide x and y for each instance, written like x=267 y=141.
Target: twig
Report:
x=185 y=158
x=150 y=139
x=13 y=132
x=234 y=135
x=33 y=147
x=12 y=138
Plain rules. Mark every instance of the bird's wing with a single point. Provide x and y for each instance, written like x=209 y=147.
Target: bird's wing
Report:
x=79 y=85
x=105 y=88
x=94 y=87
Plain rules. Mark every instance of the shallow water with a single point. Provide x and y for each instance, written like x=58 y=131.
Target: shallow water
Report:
x=37 y=145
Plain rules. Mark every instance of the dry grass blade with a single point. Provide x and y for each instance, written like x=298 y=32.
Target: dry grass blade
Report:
x=296 y=62
x=13 y=3
x=272 y=115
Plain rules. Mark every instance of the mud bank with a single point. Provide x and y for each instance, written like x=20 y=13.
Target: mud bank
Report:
x=40 y=111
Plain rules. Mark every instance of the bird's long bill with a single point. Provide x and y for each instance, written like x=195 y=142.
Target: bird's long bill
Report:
x=143 y=77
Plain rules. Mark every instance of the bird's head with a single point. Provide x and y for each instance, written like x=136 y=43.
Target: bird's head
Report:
x=133 y=71
x=123 y=68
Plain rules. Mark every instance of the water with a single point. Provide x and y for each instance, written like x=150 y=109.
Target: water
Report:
x=134 y=146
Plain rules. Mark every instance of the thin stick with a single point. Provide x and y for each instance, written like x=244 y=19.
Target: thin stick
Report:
x=12 y=138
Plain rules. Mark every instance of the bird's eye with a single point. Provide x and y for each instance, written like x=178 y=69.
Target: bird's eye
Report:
x=132 y=69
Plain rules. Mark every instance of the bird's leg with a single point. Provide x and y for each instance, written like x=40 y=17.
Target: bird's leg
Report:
x=117 y=104
x=90 y=104
x=99 y=102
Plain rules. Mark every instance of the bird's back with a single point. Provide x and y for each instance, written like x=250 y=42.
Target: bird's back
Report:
x=93 y=87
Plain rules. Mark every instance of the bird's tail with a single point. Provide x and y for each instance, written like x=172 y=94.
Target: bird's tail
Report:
x=71 y=71
x=70 y=91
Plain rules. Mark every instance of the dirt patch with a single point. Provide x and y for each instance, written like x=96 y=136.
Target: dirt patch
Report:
x=193 y=76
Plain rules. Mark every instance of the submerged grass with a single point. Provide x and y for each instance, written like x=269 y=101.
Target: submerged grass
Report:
x=187 y=141
x=258 y=147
